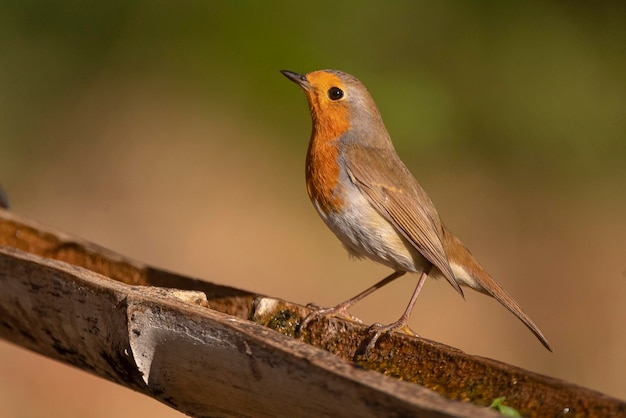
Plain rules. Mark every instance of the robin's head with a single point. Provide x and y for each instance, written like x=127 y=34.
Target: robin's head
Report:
x=339 y=102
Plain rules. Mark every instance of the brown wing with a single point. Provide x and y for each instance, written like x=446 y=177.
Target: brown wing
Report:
x=397 y=196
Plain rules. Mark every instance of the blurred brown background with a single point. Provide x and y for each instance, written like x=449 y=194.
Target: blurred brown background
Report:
x=164 y=131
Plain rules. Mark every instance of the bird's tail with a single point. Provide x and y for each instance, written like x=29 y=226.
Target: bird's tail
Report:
x=470 y=273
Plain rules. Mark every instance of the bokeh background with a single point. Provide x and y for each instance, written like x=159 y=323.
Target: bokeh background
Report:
x=164 y=131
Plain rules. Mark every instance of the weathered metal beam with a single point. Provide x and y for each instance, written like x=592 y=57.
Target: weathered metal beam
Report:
x=208 y=350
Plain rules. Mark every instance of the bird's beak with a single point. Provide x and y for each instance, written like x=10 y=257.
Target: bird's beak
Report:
x=299 y=79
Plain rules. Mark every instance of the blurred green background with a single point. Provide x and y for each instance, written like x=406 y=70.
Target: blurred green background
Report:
x=163 y=130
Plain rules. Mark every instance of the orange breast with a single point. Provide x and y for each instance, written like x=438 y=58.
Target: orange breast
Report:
x=330 y=121
x=322 y=169
x=322 y=176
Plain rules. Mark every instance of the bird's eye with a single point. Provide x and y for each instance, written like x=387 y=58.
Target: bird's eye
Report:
x=335 y=93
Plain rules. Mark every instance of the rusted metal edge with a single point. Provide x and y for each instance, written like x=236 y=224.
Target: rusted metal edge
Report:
x=443 y=369
x=446 y=370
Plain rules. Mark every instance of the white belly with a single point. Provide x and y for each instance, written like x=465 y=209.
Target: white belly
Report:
x=365 y=233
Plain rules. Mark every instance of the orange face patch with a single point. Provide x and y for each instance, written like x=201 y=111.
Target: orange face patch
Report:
x=331 y=118
x=330 y=121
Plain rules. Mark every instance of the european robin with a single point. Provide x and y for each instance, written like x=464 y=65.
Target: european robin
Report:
x=371 y=201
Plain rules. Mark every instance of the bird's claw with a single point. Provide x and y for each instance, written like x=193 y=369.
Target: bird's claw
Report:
x=379 y=330
x=319 y=312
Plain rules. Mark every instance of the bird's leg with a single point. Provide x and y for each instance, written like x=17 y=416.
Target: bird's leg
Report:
x=400 y=324
x=342 y=308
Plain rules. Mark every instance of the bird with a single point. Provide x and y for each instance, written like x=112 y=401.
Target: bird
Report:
x=370 y=200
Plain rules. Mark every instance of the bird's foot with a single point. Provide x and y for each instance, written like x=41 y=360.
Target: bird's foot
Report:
x=380 y=330
x=318 y=312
